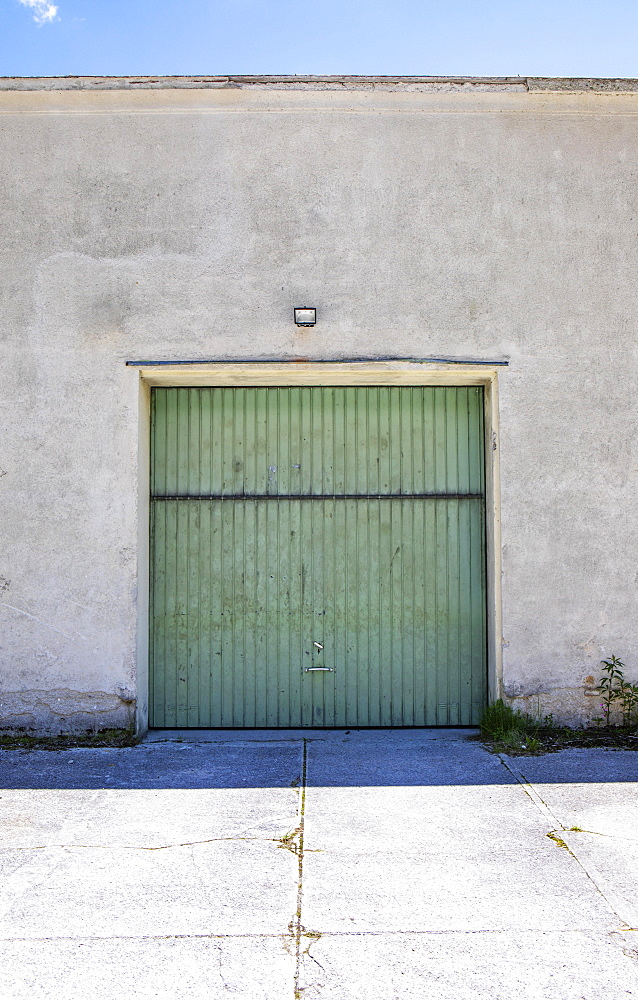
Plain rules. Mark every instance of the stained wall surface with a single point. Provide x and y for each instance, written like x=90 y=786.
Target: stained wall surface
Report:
x=492 y=223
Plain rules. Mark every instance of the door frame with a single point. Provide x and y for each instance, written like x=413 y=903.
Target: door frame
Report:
x=322 y=373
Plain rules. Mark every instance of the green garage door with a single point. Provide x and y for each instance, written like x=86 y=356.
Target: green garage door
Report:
x=317 y=557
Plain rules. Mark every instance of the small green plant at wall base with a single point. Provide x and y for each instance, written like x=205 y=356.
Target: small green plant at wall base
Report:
x=499 y=719
x=616 y=690
x=509 y=730
x=629 y=700
x=610 y=684
x=506 y=730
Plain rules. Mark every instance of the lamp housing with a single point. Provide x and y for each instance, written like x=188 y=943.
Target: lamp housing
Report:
x=305 y=316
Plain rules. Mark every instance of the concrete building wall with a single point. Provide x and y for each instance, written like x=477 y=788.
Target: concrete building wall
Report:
x=464 y=221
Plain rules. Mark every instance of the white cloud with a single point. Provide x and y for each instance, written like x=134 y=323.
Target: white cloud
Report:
x=42 y=11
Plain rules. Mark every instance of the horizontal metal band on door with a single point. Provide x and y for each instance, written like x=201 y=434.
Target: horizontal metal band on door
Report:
x=330 y=496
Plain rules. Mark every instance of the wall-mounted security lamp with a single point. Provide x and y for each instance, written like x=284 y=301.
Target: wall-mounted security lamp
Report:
x=305 y=317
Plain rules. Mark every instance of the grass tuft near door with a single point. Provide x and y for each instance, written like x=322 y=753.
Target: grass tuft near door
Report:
x=317 y=557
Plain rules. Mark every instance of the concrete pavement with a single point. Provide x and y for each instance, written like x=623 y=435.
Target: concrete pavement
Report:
x=323 y=865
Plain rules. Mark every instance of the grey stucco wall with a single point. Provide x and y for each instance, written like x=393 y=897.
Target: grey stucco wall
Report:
x=186 y=223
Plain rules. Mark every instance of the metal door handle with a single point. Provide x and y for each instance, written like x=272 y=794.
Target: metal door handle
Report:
x=325 y=670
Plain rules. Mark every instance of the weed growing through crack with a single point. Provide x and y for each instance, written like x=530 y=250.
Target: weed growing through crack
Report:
x=288 y=841
x=558 y=841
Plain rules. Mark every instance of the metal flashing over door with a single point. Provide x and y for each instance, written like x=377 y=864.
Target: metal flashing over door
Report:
x=317 y=556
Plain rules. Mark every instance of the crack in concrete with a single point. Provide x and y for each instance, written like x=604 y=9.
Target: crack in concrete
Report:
x=314 y=935
x=220 y=957
x=127 y=847
x=597 y=833
x=315 y=985
x=312 y=938
x=529 y=789
x=146 y=937
x=615 y=902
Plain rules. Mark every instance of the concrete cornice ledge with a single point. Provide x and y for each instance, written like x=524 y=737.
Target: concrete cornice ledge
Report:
x=434 y=84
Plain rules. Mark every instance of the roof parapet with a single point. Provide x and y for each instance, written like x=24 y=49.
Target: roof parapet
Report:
x=435 y=84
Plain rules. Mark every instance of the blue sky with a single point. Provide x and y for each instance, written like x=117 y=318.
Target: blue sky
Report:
x=405 y=37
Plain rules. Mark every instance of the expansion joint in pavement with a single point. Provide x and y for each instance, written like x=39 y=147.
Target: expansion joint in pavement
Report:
x=296 y=923
x=615 y=902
